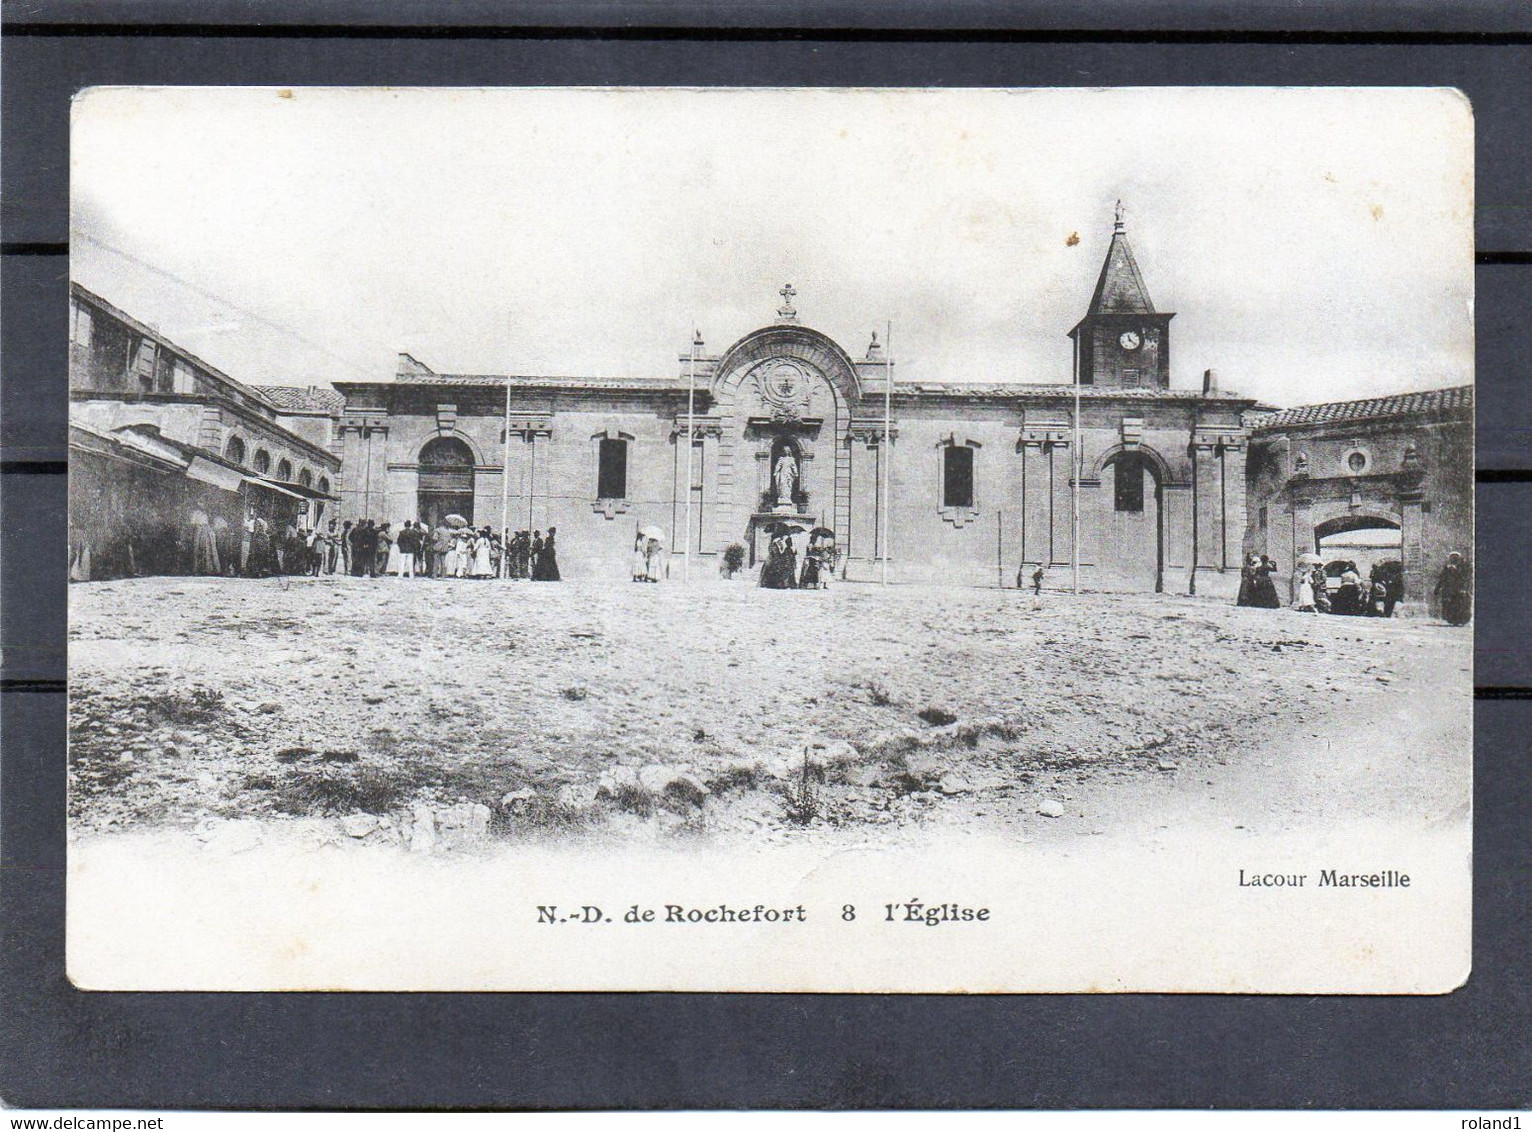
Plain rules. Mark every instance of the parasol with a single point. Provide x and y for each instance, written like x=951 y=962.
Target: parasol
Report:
x=1309 y=559
x=651 y=532
x=822 y=532
x=455 y=521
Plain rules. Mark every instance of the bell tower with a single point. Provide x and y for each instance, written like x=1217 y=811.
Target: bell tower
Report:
x=1122 y=342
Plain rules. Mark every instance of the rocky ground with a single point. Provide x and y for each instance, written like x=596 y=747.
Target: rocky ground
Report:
x=444 y=714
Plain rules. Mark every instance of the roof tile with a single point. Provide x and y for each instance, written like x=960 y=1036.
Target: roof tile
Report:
x=1457 y=398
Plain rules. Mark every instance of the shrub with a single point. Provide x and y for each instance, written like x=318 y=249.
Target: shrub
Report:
x=200 y=705
x=326 y=791
x=801 y=798
x=733 y=559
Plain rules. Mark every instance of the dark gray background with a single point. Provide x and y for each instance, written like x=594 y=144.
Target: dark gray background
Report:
x=63 y=1048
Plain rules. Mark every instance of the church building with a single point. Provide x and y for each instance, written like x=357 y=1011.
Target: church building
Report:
x=977 y=479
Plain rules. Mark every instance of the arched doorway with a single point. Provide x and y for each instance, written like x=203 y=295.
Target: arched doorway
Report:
x=446 y=480
x=1131 y=553
x=1372 y=544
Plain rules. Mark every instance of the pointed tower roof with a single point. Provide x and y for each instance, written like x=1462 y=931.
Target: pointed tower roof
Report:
x=1120 y=289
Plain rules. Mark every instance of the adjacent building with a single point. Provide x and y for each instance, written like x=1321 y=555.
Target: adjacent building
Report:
x=1398 y=468
x=161 y=440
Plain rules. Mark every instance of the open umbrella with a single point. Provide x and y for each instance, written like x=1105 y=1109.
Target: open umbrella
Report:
x=653 y=532
x=1309 y=559
x=455 y=521
x=822 y=532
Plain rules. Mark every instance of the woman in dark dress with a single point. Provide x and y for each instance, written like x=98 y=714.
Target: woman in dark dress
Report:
x=547 y=559
x=1247 y=582
x=1454 y=589
x=1263 y=591
x=781 y=564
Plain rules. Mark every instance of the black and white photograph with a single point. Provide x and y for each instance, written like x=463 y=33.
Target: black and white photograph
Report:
x=888 y=540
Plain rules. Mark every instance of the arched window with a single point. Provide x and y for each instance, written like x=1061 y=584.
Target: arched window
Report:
x=262 y=461
x=235 y=450
x=957 y=475
x=306 y=478
x=612 y=469
x=324 y=484
x=285 y=470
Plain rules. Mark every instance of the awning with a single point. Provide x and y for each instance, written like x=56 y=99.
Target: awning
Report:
x=207 y=471
x=309 y=492
x=280 y=489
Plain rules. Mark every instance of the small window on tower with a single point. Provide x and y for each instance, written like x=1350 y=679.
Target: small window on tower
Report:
x=612 y=473
x=1130 y=377
x=1128 y=482
x=957 y=476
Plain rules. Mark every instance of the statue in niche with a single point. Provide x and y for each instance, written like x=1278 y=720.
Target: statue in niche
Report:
x=785 y=476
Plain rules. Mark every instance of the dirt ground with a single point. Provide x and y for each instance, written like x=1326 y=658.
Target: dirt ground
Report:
x=437 y=713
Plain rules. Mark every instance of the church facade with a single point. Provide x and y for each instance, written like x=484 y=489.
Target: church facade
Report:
x=951 y=482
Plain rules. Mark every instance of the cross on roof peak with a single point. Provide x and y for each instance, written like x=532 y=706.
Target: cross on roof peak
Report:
x=785 y=312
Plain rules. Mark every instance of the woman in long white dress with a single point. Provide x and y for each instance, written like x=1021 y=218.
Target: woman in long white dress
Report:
x=462 y=546
x=450 y=558
x=391 y=564
x=1303 y=591
x=482 y=565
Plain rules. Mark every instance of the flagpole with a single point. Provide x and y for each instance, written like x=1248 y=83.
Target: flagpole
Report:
x=1074 y=495
x=888 y=448
x=505 y=461
x=691 y=389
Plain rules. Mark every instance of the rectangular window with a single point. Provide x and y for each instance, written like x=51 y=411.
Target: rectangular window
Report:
x=79 y=330
x=165 y=373
x=696 y=465
x=143 y=363
x=957 y=476
x=612 y=472
x=1130 y=377
x=1128 y=482
x=185 y=378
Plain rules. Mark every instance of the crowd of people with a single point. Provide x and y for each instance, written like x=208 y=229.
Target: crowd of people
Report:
x=1340 y=589
x=370 y=549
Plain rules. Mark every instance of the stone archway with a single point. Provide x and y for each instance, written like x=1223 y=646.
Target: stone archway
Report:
x=1372 y=541
x=445 y=480
x=1131 y=551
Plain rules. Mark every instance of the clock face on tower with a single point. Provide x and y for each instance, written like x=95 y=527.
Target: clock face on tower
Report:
x=1129 y=340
